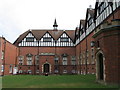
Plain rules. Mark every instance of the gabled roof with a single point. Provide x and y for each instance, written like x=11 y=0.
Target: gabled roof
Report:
x=19 y=39
x=38 y=34
x=82 y=22
x=71 y=34
x=56 y=34
x=91 y=12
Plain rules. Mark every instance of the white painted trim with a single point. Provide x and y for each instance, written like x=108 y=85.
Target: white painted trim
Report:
x=97 y=76
x=50 y=69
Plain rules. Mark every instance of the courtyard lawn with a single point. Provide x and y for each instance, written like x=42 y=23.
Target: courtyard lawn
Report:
x=52 y=81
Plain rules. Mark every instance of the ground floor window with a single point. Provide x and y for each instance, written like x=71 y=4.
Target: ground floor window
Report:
x=29 y=71
x=56 y=71
x=37 y=71
x=2 y=68
x=20 y=71
x=73 y=71
x=10 y=69
x=64 y=71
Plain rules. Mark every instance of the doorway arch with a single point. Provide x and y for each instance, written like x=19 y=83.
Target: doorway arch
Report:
x=100 y=67
x=46 y=68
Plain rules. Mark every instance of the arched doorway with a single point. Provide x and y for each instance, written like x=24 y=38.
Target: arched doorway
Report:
x=100 y=66
x=46 y=68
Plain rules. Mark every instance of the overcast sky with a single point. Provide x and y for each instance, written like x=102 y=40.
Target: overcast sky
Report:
x=18 y=16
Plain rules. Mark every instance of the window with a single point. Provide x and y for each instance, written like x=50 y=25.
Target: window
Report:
x=56 y=60
x=37 y=59
x=64 y=71
x=2 y=57
x=29 y=59
x=20 y=60
x=20 y=71
x=56 y=71
x=37 y=71
x=89 y=22
x=73 y=71
x=29 y=72
x=47 y=39
x=30 y=39
x=10 y=69
x=64 y=60
x=2 y=68
x=64 y=39
x=73 y=60
x=92 y=56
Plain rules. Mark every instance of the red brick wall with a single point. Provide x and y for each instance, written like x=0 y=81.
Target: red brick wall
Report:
x=109 y=42
x=23 y=51
x=78 y=58
x=10 y=56
x=81 y=49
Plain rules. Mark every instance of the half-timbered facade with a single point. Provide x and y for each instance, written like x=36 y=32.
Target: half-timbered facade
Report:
x=44 y=51
x=92 y=48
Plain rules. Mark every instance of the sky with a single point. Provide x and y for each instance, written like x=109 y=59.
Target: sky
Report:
x=18 y=16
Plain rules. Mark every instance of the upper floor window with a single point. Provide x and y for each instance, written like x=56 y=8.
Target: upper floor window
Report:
x=64 y=39
x=47 y=39
x=29 y=59
x=2 y=57
x=56 y=60
x=64 y=60
x=20 y=60
x=37 y=59
x=73 y=60
x=89 y=22
x=30 y=39
x=102 y=7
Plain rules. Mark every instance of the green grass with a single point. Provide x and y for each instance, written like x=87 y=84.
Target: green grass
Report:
x=59 y=81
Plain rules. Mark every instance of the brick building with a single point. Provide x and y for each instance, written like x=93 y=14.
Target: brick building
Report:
x=8 y=57
x=92 y=48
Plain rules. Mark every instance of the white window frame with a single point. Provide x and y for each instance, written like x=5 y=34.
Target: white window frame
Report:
x=29 y=60
x=64 y=61
x=73 y=60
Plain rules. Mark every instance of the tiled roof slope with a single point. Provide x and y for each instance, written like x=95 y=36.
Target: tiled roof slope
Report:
x=40 y=33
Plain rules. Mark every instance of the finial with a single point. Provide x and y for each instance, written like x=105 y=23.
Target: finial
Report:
x=55 y=25
x=90 y=6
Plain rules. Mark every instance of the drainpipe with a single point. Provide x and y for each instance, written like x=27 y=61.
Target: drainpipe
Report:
x=86 y=54
x=38 y=55
x=80 y=58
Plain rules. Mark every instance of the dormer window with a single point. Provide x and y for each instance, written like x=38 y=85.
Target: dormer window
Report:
x=64 y=39
x=102 y=7
x=47 y=39
x=89 y=22
x=30 y=39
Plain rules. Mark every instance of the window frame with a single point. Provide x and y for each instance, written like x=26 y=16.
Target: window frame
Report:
x=29 y=39
x=73 y=60
x=64 y=39
x=64 y=60
x=47 y=39
x=29 y=60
